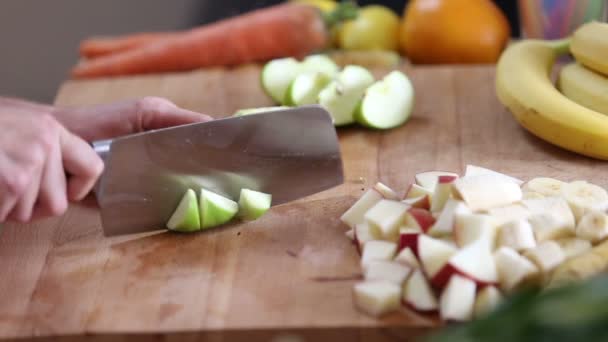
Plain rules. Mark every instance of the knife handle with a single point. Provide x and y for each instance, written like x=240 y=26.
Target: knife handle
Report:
x=102 y=148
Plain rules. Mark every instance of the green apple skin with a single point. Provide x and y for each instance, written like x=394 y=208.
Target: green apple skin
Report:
x=253 y=204
x=277 y=75
x=186 y=217
x=215 y=210
x=312 y=82
x=321 y=63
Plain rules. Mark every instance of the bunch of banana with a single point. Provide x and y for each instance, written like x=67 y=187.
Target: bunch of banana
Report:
x=573 y=114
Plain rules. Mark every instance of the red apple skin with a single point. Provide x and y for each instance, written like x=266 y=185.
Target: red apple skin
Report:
x=441 y=279
x=423 y=217
x=446 y=179
x=356 y=242
x=409 y=240
x=422 y=312
x=424 y=204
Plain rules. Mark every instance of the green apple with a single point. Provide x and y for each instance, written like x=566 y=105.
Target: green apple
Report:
x=186 y=216
x=257 y=110
x=305 y=89
x=277 y=75
x=321 y=63
x=388 y=103
x=216 y=209
x=341 y=96
x=253 y=204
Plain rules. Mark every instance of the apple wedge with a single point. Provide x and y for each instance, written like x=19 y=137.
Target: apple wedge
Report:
x=457 y=300
x=387 y=270
x=377 y=250
x=443 y=192
x=364 y=232
x=429 y=179
x=517 y=234
x=469 y=228
x=474 y=170
x=422 y=202
x=415 y=191
x=350 y=234
x=341 y=96
x=277 y=75
x=420 y=219
x=186 y=216
x=486 y=301
x=573 y=247
x=377 y=297
x=474 y=261
x=388 y=103
x=407 y=257
x=387 y=216
x=433 y=254
x=215 y=209
x=487 y=191
x=356 y=213
x=386 y=192
x=547 y=255
x=514 y=270
x=445 y=222
x=305 y=88
x=418 y=295
x=253 y=204
x=408 y=238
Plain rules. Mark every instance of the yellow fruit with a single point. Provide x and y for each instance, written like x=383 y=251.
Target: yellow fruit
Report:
x=584 y=86
x=323 y=5
x=590 y=46
x=375 y=28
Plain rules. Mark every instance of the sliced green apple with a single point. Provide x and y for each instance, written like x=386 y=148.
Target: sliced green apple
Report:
x=186 y=216
x=321 y=63
x=215 y=209
x=387 y=103
x=253 y=204
x=277 y=75
x=341 y=96
x=257 y=110
x=305 y=89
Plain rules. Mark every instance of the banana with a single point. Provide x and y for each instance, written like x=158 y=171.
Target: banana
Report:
x=590 y=46
x=524 y=86
x=593 y=226
x=583 y=197
x=544 y=185
x=584 y=86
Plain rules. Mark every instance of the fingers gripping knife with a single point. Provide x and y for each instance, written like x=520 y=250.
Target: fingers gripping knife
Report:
x=289 y=153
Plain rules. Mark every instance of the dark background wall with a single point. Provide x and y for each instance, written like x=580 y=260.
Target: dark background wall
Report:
x=39 y=39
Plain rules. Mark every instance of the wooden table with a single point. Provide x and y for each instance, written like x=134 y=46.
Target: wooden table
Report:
x=292 y=270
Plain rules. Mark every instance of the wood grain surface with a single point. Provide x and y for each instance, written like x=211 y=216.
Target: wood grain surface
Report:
x=289 y=273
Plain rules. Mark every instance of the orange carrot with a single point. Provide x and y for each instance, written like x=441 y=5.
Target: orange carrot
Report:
x=102 y=46
x=288 y=29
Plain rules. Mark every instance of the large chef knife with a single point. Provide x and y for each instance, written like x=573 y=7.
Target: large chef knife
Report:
x=289 y=153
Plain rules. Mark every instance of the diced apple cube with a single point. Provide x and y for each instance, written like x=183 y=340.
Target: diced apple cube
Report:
x=469 y=228
x=387 y=270
x=458 y=299
x=486 y=191
x=474 y=261
x=377 y=297
x=386 y=192
x=508 y=213
x=445 y=223
x=377 y=251
x=513 y=269
x=433 y=254
x=487 y=300
x=364 y=232
x=429 y=179
x=416 y=190
x=387 y=216
x=547 y=255
x=407 y=257
x=443 y=192
x=419 y=218
x=418 y=295
x=474 y=170
x=355 y=214
x=516 y=234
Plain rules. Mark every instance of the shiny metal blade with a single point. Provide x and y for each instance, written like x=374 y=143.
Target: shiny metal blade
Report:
x=288 y=153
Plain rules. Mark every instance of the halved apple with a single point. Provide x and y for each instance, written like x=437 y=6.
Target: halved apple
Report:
x=305 y=88
x=386 y=192
x=356 y=214
x=433 y=254
x=487 y=300
x=387 y=103
x=457 y=299
x=341 y=96
x=377 y=297
x=429 y=179
x=186 y=216
x=474 y=261
x=253 y=204
x=514 y=270
x=469 y=228
x=387 y=270
x=418 y=295
x=487 y=191
x=215 y=209
x=407 y=257
x=419 y=218
x=387 y=216
x=474 y=170
x=443 y=192
x=445 y=222
x=377 y=250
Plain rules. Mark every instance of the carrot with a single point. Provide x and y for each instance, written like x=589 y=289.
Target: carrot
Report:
x=289 y=29
x=102 y=46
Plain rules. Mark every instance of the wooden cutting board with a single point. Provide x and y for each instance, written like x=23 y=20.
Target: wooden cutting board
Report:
x=293 y=268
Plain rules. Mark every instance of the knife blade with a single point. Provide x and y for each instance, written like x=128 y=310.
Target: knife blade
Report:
x=290 y=153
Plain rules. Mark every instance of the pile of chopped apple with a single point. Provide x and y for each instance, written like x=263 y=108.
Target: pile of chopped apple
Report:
x=213 y=210
x=457 y=245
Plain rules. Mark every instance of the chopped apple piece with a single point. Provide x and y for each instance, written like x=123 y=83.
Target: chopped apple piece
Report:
x=387 y=216
x=508 y=213
x=593 y=226
x=547 y=255
x=364 y=233
x=473 y=261
x=487 y=191
x=407 y=257
x=445 y=223
x=418 y=295
x=429 y=179
x=513 y=269
x=350 y=234
x=433 y=254
x=416 y=190
x=386 y=192
x=215 y=209
x=186 y=217
x=377 y=250
x=574 y=246
x=458 y=299
x=517 y=234
x=473 y=170
x=387 y=270
x=253 y=204
x=377 y=297
x=419 y=218
x=408 y=238
x=487 y=300
x=442 y=193
x=355 y=214
x=422 y=202
x=469 y=228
